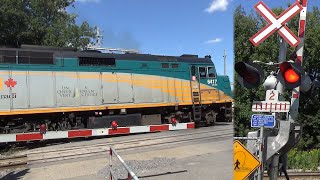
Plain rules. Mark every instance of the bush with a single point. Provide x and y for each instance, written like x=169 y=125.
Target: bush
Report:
x=306 y=160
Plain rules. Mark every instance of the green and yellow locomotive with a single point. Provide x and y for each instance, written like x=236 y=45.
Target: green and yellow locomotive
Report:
x=69 y=89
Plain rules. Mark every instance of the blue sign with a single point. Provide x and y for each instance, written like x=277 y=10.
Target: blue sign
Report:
x=258 y=120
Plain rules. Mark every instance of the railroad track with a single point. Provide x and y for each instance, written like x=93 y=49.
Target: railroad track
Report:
x=13 y=162
x=67 y=154
x=32 y=157
x=123 y=142
x=299 y=175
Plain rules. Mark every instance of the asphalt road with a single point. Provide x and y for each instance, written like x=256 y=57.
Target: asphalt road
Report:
x=208 y=158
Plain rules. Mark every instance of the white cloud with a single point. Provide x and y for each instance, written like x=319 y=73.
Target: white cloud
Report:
x=217 y=5
x=88 y=1
x=216 y=40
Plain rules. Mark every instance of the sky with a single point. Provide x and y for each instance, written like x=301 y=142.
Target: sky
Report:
x=169 y=27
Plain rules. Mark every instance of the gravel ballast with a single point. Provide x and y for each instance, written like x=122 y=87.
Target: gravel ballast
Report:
x=157 y=165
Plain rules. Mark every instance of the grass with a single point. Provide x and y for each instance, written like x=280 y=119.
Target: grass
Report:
x=9 y=150
x=306 y=160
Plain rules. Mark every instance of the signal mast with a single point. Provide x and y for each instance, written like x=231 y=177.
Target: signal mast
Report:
x=278 y=140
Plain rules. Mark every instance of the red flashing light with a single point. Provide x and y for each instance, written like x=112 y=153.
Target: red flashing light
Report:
x=114 y=124
x=43 y=128
x=291 y=76
x=250 y=74
x=291 y=73
x=173 y=121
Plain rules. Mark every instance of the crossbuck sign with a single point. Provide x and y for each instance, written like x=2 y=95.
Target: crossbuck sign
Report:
x=276 y=23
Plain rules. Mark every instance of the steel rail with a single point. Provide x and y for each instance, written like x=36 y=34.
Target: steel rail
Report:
x=124 y=142
x=13 y=162
x=102 y=151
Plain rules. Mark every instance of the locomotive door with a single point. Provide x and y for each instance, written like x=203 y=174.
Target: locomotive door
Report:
x=195 y=93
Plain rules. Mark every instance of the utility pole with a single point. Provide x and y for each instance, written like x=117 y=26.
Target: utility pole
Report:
x=224 y=60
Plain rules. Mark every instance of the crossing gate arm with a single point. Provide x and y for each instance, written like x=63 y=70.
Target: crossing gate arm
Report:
x=49 y=135
x=130 y=172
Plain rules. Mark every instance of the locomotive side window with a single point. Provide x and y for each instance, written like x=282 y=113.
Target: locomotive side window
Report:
x=165 y=65
x=193 y=70
x=94 y=61
x=7 y=57
x=203 y=72
x=211 y=72
x=175 y=65
x=30 y=57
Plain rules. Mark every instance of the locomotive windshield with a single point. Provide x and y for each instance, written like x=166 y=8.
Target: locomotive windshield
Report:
x=211 y=72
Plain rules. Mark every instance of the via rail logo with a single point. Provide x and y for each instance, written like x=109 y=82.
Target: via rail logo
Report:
x=10 y=83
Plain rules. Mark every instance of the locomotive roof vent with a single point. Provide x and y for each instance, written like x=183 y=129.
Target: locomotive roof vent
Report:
x=189 y=56
x=47 y=48
x=90 y=50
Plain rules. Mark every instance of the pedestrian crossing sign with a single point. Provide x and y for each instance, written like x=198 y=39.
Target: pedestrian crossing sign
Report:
x=244 y=163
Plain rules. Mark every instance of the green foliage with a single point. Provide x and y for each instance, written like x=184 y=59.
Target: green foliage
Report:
x=306 y=160
x=245 y=26
x=44 y=22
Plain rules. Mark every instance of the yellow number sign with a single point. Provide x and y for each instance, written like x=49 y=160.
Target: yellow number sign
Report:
x=244 y=163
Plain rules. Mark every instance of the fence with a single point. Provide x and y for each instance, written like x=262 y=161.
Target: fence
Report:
x=112 y=175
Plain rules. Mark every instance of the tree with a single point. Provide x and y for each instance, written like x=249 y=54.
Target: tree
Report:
x=44 y=22
x=245 y=26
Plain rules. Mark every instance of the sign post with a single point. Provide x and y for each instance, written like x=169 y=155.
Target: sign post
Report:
x=261 y=169
x=260 y=120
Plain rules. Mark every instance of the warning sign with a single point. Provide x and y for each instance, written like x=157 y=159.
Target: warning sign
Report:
x=244 y=163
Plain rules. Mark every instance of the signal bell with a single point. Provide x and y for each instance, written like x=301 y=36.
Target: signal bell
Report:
x=270 y=82
x=250 y=75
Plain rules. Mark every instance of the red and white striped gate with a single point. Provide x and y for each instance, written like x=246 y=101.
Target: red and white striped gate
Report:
x=35 y=136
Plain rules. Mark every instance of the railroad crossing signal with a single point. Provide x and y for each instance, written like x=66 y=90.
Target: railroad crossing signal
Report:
x=276 y=23
x=244 y=163
x=250 y=75
x=291 y=73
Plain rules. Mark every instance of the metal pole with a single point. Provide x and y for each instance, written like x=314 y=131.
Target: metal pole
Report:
x=296 y=91
x=273 y=171
x=110 y=162
x=135 y=177
x=281 y=58
x=261 y=169
x=224 y=59
x=274 y=167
